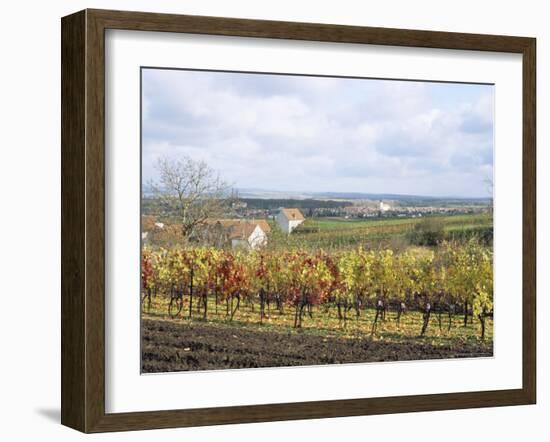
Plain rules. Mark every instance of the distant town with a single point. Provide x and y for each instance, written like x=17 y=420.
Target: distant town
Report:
x=361 y=208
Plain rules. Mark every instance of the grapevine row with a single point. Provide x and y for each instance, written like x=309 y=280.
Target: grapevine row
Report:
x=454 y=278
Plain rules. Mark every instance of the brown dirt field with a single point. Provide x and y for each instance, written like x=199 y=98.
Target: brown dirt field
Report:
x=175 y=346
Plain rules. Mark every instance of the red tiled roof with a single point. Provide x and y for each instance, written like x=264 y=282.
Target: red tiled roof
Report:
x=264 y=225
x=293 y=214
x=147 y=222
x=240 y=228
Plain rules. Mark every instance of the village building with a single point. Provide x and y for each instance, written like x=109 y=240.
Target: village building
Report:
x=242 y=233
x=147 y=223
x=238 y=233
x=289 y=219
x=384 y=207
x=159 y=233
x=247 y=235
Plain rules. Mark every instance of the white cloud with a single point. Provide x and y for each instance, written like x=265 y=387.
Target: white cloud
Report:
x=324 y=134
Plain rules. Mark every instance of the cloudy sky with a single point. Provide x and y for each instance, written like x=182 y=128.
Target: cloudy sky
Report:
x=297 y=133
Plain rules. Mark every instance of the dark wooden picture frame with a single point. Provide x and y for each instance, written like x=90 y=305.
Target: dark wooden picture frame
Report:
x=83 y=220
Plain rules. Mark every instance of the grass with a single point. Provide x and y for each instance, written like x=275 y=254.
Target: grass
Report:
x=326 y=323
x=340 y=233
x=342 y=223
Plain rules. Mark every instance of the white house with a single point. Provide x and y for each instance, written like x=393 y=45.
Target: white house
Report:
x=289 y=219
x=384 y=207
x=240 y=233
x=246 y=234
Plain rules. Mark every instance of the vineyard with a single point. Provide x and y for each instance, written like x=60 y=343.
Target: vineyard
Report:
x=372 y=286
x=336 y=234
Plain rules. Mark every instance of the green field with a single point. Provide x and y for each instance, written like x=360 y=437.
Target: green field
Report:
x=341 y=223
x=340 y=233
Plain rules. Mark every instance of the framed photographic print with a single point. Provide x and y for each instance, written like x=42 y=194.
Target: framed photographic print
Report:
x=271 y=220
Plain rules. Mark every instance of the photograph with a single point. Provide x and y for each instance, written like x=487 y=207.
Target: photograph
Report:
x=299 y=220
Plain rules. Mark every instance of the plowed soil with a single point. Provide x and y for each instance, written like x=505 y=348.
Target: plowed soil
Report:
x=178 y=346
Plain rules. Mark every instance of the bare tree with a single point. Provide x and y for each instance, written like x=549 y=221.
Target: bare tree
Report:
x=191 y=191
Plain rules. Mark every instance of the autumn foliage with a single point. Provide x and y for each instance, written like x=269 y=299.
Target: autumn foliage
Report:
x=452 y=279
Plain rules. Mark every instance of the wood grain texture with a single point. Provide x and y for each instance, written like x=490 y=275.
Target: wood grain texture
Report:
x=145 y=21
x=73 y=254
x=529 y=221
x=95 y=221
x=83 y=220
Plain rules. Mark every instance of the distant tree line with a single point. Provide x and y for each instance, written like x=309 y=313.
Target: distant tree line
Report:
x=269 y=204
